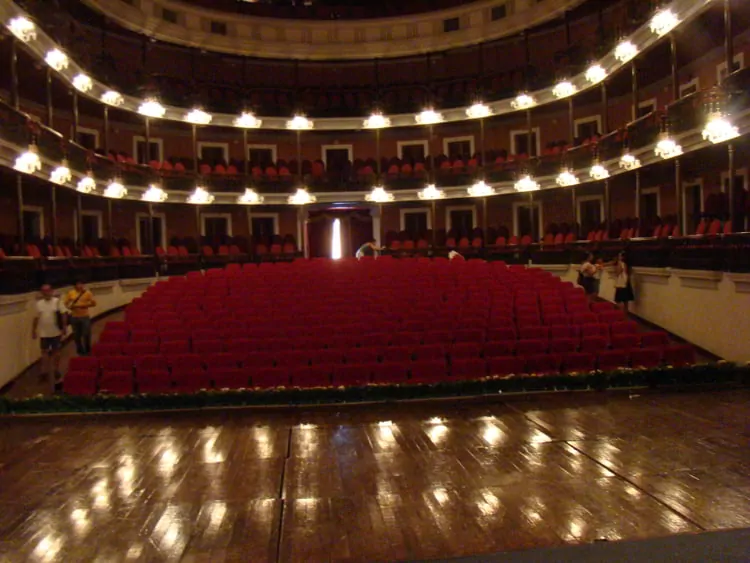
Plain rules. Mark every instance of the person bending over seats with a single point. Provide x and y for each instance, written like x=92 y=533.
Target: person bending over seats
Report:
x=78 y=301
x=623 y=287
x=453 y=255
x=368 y=249
x=587 y=276
x=49 y=326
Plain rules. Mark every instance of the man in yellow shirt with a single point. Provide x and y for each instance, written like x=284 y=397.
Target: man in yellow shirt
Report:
x=78 y=301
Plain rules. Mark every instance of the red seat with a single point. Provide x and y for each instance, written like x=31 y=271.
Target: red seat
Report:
x=543 y=364
x=601 y=307
x=226 y=377
x=360 y=356
x=140 y=348
x=564 y=331
x=260 y=360
x=625 y=327
x=389 y=372
x=294 y=359
x=185 y=362
x=646 y=357
x=190 y=379
x=595 y=329
x=625 y=341
x=79 y=382
x=499 y=348
x=654 y=339
x=116 y=382
x=506 y=365
x=83 y=364
x=172 y=347
x=469 y=335
x=326 y=357
x=680 y=355
x=116 y=363
x=584 y=318
x=593 y=344
x=437 y=337
x=394 y=354
x=534 y=333
x=468 y=368
x=141 y=335
x=351 y=374
x=101 y=349
x=220 y=360
x=269 y=377
x=578 y=362
x=466 y=350
x=429 y=352
x=499 y=334
x=610 y=317
x=556 y=320
x=612 y=359
x=151 y=362
x=563 y=345
x=110 y=336
x=531 y=347
x=153 y=380
x=427 y=371
x=207 y=346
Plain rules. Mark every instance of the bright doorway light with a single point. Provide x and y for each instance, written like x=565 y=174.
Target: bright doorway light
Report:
x=336 y=240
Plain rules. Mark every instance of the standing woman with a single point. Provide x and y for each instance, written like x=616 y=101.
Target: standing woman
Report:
x=623 y=286
x=587 y=276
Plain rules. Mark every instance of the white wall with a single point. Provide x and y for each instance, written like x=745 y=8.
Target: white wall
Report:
x=708 y=309
x=18 y=351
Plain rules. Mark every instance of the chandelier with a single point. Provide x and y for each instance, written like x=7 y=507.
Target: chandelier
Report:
x=663 y=22
x=526 y=184
x=377 y=121
x=430 y=192
x=566 y=178
x=629 y=162
x=61 y=175
x=667 y=148
x=250 y=197
x=564 y=89
x=428 y=117
x=379 y=195
x=299 y=123
x=478 y=110
x=200 y=196
x=595 y=74
x=719 y=129
x=598 y=172
x=23 y=28
x=112 y=98
x=154 y=194
x=301 y=197
x=57 y=59
x=82 y=83
x=198 y=117
x=152 y=108
x=87 y=184
x=115 y=190
x=28 y=162
x=247 y=121
x=523 y=101
x=481 y=189
x=625 y=51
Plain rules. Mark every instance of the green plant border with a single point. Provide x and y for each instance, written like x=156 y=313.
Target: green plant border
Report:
x=718 y=373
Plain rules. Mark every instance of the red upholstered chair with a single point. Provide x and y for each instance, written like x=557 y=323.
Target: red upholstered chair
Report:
x=269 y=377
x=625 y=341
x=593 y=344
x=499 y=348
x=389 y=372
x=190 y=379
x=499 y=334
x=462 y=350
x=360 y=356
x=228 y=377
x=654 y=339
x=427 y=371
x=579 y=362
x=429 y=352
x=531 y=347
x=172 y=347
x=680 y=355
x=468 y=368
x=153 y=380
x=612 y=359
x=543 y=364
x=106 y=349
x=351 y=375
x=506 y=365
x=563 y=345
x=646 y=357
x=116 y=382
x=534 y=333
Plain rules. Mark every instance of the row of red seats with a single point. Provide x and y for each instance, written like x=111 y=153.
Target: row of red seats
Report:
x=85 y=378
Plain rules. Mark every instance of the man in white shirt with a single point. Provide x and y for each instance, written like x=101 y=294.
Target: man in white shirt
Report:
x=49 y=327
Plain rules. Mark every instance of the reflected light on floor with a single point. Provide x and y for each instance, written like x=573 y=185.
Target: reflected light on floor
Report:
x=437 y=433
x=336 y=240
x=48 y=548
x=492 y=435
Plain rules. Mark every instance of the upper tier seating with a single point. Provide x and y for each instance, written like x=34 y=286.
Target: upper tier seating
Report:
x=321 y=323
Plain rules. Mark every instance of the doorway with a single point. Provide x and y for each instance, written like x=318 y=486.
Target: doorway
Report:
x=145 y=244
x=33 y=224
x=527 y=219
x=590 y=214
x=337 y=158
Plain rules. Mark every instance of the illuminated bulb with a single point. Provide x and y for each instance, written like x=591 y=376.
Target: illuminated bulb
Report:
x=478 y=110
x=61 y=175
x=115 y=190
x=299 y=122
x=377 y=121
x=598 y=172
x=629 y=162
x=523 y=101
x=28 y=162
x=667 y=148
x=82 y=83
x=436 y=420
x=200 y=197
x=23 y=28
x=152 y=108
x=306 y=426
x=595 y=73
x=198 y=117
x=663 y=22
x=481 y=189
x=526 y=184
x=625 y=51
x=379 y=195
x=385 y=423
x=87 y=184
x=301 y=197
x=564 y=89
x=719 y=129
x=57 y=59
x=431 y=192
x=567 y=178
x=154 y=194
x=247 y=121
x=250 y=197
x=428 y=117
x=112 y=98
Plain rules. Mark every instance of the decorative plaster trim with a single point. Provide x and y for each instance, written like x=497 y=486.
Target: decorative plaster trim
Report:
x=653 y=272
x=699 y=279
x=741 y=281
x=138 y=282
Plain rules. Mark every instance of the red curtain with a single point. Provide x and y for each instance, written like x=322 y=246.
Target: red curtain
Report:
x=356 y=229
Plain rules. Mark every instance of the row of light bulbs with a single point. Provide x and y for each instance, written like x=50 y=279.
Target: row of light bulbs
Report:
x=24 y=29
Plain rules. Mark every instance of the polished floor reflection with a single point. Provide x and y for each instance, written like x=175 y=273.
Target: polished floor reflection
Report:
x=372 y=483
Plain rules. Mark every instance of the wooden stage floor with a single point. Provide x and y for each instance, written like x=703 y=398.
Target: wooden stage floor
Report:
x=373 y=483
